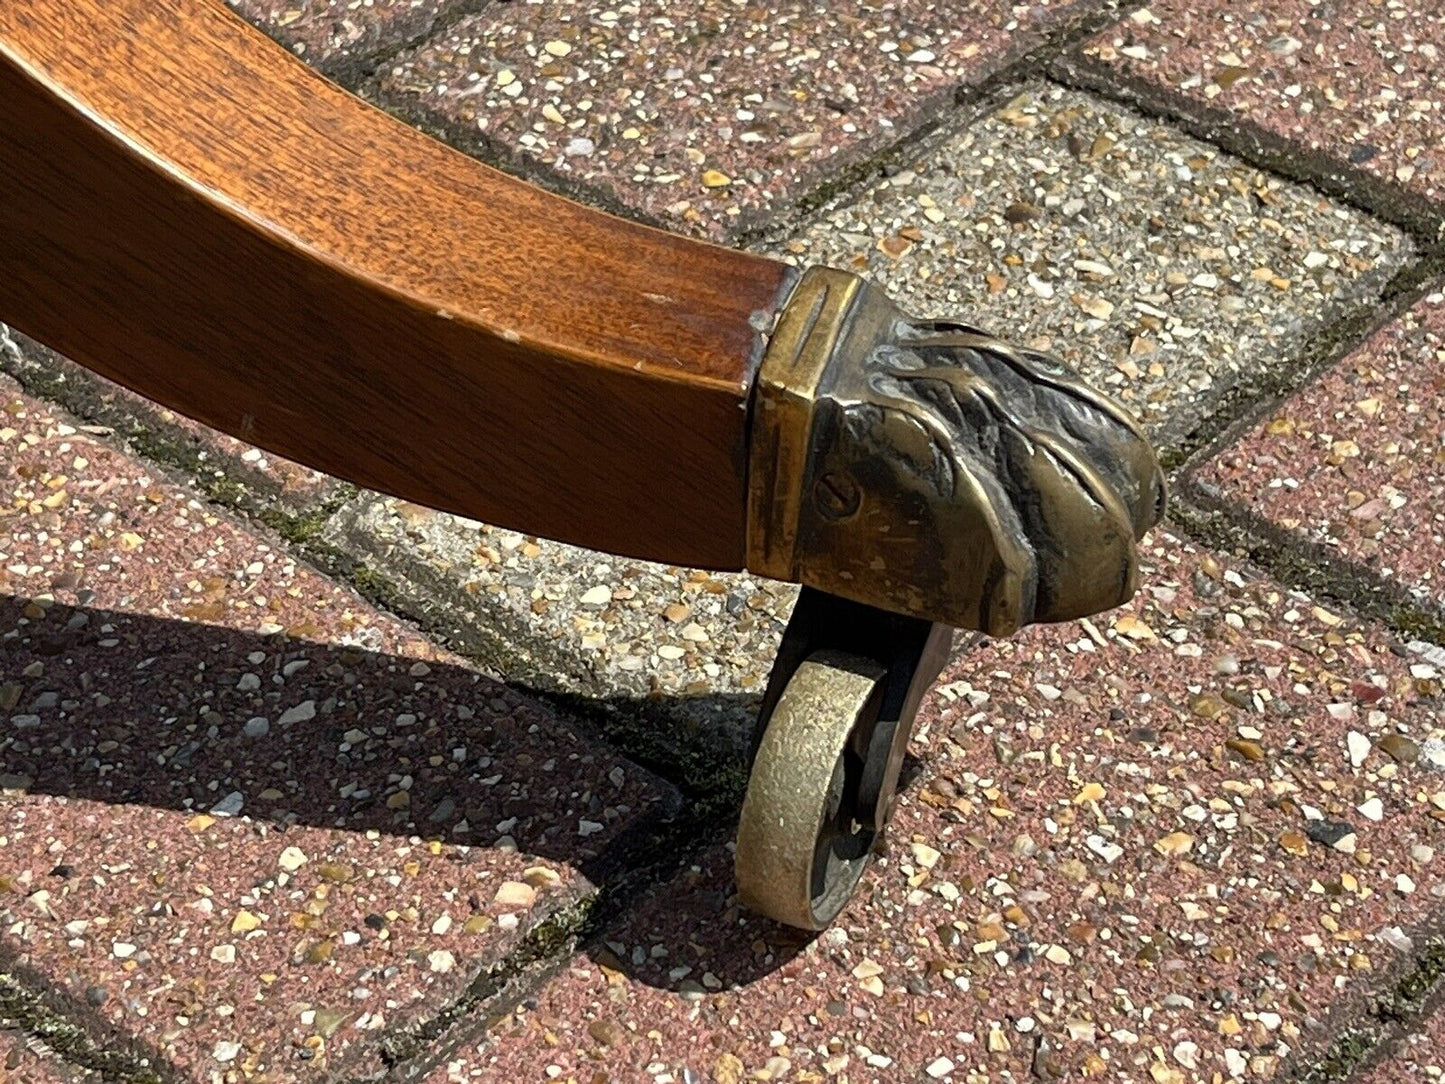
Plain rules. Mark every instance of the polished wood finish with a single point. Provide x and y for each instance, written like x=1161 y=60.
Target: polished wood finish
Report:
x=189 y=210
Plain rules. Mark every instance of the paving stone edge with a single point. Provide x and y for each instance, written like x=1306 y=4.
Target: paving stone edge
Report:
x=1350 y=185
x=1212 y=519
x=350 y=69
x=222 y=479
x=84 y=1040
x=1361 y=1027
x=73 y=1036
x=1250 y=399
x=936 y=116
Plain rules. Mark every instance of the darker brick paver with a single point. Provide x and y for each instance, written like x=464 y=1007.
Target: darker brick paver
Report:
x=707 y=115
x=1159 y=848
x=343 y=38
x=1353 y=84
x=248 y=822
x=1355 y=463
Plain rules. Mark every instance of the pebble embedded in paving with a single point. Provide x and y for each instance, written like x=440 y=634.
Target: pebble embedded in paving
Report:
x=1353 y=462
x=1356 y=80
x=1087 y=877
x=272 y=900
x=706 y=115
x=1160 y=267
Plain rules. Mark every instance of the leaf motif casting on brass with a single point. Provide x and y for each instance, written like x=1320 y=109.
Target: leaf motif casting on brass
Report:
x=953 y=477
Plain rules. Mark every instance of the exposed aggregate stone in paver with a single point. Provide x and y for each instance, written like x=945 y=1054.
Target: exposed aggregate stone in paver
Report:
x=706 y=114
x=1356 y=81
x=341 y=37
x=213 y=456
x=249 y=826
x=1355 y=462
x=1154 y=847
x=1161 y=268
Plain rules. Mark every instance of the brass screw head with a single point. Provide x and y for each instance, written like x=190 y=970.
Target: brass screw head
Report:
x=838 y=496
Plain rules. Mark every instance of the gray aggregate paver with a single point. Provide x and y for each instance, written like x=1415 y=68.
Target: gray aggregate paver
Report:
x=1160 y=267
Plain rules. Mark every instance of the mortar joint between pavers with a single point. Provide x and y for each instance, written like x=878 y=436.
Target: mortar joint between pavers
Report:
x=72 y=1041
x=1263 y=149
x=1256 y=396
x=1392 y=1011
x=971 y=102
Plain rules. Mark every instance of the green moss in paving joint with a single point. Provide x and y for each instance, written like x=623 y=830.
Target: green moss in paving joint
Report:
x=1396 y=1009
x=1254 y=396
x=1217 y=523
x=1411 y=212
x=1343 y=1057
x=299 y=528
x=1407 y=998
x=179 y=453
x=69 y=1039
x=1307 y=569
x=550 y=940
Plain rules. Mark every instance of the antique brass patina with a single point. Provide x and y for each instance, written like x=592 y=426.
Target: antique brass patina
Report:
x=927 y=468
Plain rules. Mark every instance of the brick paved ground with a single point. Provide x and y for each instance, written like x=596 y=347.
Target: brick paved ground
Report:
x=305 y=784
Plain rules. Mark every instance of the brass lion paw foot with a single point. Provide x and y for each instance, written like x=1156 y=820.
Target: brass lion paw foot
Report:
x=914 y=476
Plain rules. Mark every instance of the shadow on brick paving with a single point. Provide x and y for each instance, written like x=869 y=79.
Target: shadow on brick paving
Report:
x=126 y=709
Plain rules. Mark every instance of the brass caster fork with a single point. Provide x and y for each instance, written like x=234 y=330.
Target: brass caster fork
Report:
x=832 y=733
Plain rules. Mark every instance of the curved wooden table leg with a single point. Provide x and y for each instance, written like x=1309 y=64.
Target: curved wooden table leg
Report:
x=189 y=210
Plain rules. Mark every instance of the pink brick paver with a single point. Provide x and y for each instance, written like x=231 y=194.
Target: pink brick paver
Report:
x=707 y=114
x=1160 y=847
x=340 y=37
x=250 y=826
x=1355 y=81
x=1356 y=461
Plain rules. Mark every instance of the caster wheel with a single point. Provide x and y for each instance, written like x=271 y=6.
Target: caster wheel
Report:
x=803 y=840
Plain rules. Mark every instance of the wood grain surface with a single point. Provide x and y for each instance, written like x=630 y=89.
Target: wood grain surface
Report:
x=191 y=211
